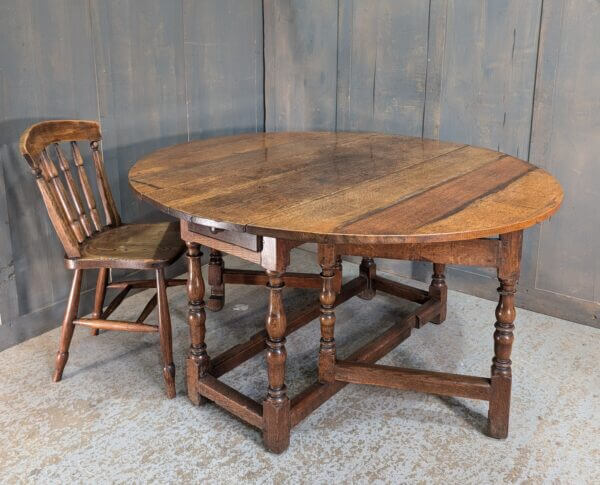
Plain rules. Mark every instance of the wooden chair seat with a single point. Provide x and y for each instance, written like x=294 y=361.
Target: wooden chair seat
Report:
x=143 y=246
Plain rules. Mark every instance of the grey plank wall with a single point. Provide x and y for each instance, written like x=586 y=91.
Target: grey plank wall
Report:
x=223 y=44
x=382 y=69
x=46 y=71
x=300 y=64
x=514 y=76
x=486 y=69
x=566 y=140
x=8 y=286
x=154 y=72
x=138 y=52
x=382 y=66
x=519 y=77
x=485 y=55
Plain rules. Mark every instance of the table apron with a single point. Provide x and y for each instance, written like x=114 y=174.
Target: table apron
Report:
x=474 y=252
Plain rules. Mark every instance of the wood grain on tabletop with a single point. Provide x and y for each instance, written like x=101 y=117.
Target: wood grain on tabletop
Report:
x=347 y=187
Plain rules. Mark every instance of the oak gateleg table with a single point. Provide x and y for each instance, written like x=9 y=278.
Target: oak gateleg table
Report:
x=257 y=196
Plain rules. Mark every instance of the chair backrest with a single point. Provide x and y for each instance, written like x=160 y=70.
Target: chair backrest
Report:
x=73 y=221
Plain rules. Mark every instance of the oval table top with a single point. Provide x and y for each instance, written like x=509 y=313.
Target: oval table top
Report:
x=344 y=187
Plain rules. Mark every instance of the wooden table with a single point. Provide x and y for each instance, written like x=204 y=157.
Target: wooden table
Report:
x=258 y=195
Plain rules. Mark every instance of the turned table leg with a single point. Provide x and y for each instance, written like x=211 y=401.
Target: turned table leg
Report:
x=328 y=262
x=439 y=290
x=368 y=269
x=215 y=280
x=276 y=406
x=508 y=274
x=197 y=360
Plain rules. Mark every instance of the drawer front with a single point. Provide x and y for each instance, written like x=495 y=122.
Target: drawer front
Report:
x=241 y=239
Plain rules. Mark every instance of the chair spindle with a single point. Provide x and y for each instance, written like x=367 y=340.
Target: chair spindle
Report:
x=57 y=216
x=61 y=194
x=75 y=197
x=85 y=186
x=110 y=208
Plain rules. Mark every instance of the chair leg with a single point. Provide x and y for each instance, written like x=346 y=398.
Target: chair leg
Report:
x=67 y=326
x=99 y=296
x=164 y=330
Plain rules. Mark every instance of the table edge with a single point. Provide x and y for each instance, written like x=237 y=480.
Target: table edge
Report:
x=333 y=238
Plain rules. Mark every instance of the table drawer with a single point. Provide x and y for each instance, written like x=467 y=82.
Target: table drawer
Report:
x=241 y=239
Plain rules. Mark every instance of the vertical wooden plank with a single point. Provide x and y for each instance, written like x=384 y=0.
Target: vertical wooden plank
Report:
x=223 y=66
x=345 y=27
x=480 y=79
x=548 y=45
x=382 y=67
x=358 y=43
x=436 y=44
x=138 y=52
x=565 y=140
x=300 y=45
x=487 y=73
x=8 y=287
x=382 y=70
x=46 y=71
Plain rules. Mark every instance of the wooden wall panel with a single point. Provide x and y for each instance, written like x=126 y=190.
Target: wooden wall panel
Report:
x=46 y=71
x=223 y=44
x=480 y=79
x=464 y=71
x=486 y=72
x=301 y=64
x=8 y=287
x=382 y=71
x=382 y=66
x=566 y=140
x=436 y=42
x=138 y=53
x=124 y=63
x=157 y=72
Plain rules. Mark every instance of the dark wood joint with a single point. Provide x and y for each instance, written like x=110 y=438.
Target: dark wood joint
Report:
x=216 y=267
x=439 y=291
x=337 y=282
x=368 y=271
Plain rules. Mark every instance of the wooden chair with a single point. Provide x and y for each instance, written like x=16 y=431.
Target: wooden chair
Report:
x=91 y=243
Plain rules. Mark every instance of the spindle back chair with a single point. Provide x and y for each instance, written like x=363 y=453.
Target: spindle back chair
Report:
x=94 y=242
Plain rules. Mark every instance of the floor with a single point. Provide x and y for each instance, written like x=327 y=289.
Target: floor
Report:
x=109 y=422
